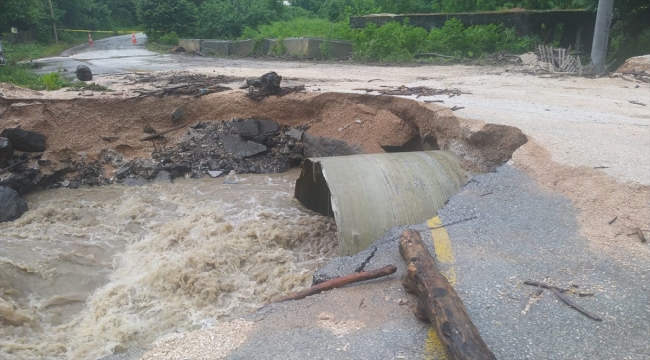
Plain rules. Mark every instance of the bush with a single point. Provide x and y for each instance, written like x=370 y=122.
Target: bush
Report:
x=391 y=42
x=168 y=39
x=399 y=42
x=53 y=81
x=159 y=17
x=472 y=42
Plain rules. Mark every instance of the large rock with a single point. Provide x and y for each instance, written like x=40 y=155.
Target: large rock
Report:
x=24 y=140
x=269 y=82
x=241 y=148
x=12 y=206
x=83 y=73
x=6 y=150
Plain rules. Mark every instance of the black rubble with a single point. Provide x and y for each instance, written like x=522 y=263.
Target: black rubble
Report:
x=25 y=140
x=12 y=206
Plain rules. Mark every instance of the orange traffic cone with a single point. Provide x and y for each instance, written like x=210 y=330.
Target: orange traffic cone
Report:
x=90 y=39
x=133 y=40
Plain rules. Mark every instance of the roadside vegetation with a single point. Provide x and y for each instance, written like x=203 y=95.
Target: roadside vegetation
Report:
x=164 y=21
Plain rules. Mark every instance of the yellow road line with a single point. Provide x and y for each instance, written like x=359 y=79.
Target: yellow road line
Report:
x=444 y=250
x=445 y=258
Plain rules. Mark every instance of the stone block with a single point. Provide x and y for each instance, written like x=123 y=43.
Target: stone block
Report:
x=303 y=47
x=340 y=49
x=267 y=46
x=190 y=44
x=243 y=47
x=220 y=47
x=312 y=48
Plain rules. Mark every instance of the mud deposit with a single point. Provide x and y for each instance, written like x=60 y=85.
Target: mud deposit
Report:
x=100 y=270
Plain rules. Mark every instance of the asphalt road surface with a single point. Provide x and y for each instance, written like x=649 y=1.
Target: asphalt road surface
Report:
x=114 y=55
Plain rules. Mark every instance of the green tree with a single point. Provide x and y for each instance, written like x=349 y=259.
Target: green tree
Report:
x=22 y=14
x=227 y=19
x=160 y=17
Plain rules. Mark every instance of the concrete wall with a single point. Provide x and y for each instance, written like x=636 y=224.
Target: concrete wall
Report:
x=190 y=44
x=243 y=47
x=312 y=48
x=340 y=49
x=221 y=47
x=267 y=46
x=298 y=47
x=303 y=47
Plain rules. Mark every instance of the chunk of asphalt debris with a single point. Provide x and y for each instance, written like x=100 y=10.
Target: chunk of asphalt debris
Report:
x=121 y=171
x=6 y=150
x=241 y=148
x=164 y=176
x=215 y=174
x=177 y=115
x=250 y=127
x=12 y=206
x=296 y=134
x=268 y=126
x=83 y=73
x=25 y=140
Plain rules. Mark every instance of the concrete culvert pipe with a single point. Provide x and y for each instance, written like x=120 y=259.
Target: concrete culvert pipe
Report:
x=371 y=193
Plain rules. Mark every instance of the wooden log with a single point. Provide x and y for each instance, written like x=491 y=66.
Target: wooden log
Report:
x=340 y=281
x=163 y=132
x=439 y=303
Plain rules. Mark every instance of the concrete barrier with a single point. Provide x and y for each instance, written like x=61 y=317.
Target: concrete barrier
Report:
x=243 y=47
x=190 y=44
x=267 y=46
x=303 y=47
x=340 y=49
x=312 y=48
x=221 y=47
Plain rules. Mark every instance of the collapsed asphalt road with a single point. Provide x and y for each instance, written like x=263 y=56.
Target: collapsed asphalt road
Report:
x=519 y=232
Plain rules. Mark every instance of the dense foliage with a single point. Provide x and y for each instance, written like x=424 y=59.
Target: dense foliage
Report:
x=166 y=20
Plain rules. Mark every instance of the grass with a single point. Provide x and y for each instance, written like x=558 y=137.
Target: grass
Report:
x=21 y=74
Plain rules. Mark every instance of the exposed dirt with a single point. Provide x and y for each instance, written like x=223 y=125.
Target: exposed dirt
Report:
x=81 y=133
x=601 y=200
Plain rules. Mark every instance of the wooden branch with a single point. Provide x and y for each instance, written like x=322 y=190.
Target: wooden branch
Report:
x=639 y=233
x=340 y=281
x=635 y=73
x=37 y=156
x=153 y=136
x=439 y=303
x=419 y=55
x=559 y=293
x=544 y=285
x=573 y=305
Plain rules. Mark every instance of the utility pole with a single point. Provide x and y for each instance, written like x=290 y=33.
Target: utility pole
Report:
x=601 y=35
x=56 y=38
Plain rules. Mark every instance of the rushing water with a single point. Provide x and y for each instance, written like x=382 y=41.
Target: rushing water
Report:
x=89 y=272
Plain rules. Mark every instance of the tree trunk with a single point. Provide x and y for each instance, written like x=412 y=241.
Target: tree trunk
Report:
x=439 y=303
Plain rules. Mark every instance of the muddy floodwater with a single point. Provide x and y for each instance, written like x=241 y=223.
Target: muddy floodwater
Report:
x=98 y=270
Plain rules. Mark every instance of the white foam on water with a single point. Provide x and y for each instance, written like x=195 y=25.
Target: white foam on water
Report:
x=91 y=272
